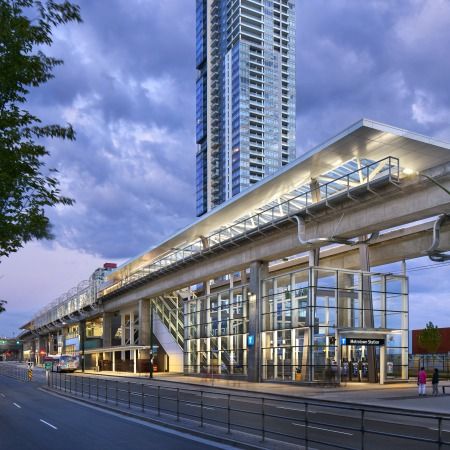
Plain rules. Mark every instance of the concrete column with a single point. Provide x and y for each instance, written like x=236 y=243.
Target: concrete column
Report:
x=82 y=328
x=107 y=329
x=382 y=364
x=144 y=326
x=258 y=272
x=42 y=346
x=124 y=333
x=63 y=340
x=405 y=322
x=34 y=353
x=367 y=305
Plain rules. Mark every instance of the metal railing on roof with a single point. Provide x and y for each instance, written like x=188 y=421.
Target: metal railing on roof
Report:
x=77 y=299
x=345 y=185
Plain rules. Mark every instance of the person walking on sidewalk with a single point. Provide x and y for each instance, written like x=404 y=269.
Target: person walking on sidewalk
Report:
x=150 y=369
x=435 y=381
x=422 y=381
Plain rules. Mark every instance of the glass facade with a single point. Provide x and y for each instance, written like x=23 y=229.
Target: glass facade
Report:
x=332 y=325
x=216 y=327
x=317 y=325
x=245 y=58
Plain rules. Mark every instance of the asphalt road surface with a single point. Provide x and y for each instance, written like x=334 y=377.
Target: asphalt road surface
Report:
x=31 y=419
x=340 y=426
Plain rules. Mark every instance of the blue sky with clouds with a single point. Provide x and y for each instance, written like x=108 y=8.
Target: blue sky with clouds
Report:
x=128 y=88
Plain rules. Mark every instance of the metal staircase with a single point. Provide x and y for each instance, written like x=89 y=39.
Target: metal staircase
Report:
x=169 y=309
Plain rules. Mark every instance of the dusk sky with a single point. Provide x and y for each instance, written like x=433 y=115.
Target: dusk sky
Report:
x=128 y=88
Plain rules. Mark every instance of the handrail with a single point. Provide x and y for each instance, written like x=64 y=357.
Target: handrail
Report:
x=301 y=203
x=227 y=410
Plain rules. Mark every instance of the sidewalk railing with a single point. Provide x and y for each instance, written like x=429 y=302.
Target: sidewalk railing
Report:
x=303 y=422
x=13 y=371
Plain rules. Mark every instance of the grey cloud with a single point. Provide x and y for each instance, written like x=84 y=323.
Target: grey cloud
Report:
x=128 y=86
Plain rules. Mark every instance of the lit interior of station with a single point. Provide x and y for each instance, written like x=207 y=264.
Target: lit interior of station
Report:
x=276 y=284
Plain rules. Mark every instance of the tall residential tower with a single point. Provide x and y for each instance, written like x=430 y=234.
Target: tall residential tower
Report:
x=245 y=59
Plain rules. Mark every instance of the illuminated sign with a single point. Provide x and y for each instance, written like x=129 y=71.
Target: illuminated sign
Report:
x=361 y=341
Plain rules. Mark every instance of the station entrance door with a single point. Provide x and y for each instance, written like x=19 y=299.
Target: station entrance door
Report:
x=360 y=359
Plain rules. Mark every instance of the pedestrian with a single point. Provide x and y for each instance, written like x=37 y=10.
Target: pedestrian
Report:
x=435 y=381
x=422 y=381
x=150 y=369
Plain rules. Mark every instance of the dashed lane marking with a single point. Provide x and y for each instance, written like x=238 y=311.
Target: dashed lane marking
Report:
x=199 y=406
x=49 y=424
x=16 y=405
x=322 y=429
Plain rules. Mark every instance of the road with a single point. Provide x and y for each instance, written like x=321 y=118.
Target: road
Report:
x=31 y=419
x=280 y=418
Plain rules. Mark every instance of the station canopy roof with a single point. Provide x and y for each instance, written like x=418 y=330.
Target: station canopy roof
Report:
x=361 y=144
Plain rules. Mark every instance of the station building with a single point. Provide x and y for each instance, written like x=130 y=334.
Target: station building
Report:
x=276 y=283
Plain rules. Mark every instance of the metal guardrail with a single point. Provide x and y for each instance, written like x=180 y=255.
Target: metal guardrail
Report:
x=13 y=371
x=363 y=178
x=353 y=427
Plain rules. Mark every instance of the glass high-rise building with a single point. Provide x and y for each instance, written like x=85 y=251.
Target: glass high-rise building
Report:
x=245 y=58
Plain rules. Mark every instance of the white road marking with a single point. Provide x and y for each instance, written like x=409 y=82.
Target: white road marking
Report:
x=198 y=406
x=323 y=429
x=49 y=424
x=292 y=409
x=2 y=394
x=18 y=406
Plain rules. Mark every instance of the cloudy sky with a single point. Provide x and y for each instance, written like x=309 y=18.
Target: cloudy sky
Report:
x=128 y=88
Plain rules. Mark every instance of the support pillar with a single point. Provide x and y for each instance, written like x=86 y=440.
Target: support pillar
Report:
x=107 y=329
x=258 y=271
x=42 y=346
x=63 y=340
x=367 y=305
x=405 y=323
x=382 y=364
x=144 y=326
x=82 y=327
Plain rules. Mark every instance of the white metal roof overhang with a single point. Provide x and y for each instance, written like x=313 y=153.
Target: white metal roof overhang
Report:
x=364 y=139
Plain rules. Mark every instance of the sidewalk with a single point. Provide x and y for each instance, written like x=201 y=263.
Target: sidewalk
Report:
x=398 y=395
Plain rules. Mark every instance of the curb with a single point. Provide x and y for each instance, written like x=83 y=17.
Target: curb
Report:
x=294 y=397
x=179 y=428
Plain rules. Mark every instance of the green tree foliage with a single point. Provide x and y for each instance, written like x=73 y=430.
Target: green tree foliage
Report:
x=430 y=338
x=27 y=187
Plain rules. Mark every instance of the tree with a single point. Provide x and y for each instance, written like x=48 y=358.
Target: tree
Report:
x=27 y=188
x=2 y=303
x=430 y=338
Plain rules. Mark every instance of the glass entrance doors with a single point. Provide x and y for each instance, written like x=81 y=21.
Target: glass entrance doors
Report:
x=355 y=366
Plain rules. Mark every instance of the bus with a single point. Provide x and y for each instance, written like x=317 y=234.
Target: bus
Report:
x=63 y=363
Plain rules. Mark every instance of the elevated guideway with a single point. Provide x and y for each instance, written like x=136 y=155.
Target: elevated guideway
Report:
x=368 y=179
x=364 y=180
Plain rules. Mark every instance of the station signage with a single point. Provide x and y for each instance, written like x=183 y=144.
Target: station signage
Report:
x=361 y=341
